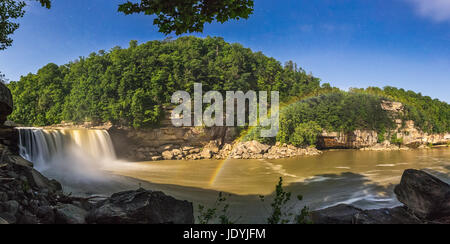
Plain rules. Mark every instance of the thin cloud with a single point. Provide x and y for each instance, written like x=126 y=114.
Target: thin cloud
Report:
x=437 y=10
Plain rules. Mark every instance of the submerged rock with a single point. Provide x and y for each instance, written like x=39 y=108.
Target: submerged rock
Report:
x=141 y=207
x=425 y=195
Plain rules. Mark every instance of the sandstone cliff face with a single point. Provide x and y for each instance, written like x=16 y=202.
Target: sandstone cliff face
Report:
x=340 y=140
x=411 y=136
x=150 y=144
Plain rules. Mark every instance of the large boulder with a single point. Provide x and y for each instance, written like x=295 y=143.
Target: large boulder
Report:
x=398 y=215
x=425 y=195
x=141 y=207
x=168 y=155
x=347 y=214
x=340 y=214
x=3 y=221
x=70 y=214
x=6 y=103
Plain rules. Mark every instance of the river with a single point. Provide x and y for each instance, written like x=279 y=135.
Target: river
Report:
x=363 y=178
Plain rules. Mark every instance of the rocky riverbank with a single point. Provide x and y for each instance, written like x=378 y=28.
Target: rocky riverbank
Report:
x=239 y=150
x=426 y=200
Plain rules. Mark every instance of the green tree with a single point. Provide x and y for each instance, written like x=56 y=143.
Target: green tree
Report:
x=130 y=86
x=9 y=11
x=305 y=134
x=183 y=16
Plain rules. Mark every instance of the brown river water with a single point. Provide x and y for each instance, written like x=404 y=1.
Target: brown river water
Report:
x=86 y=165
x=362 y=178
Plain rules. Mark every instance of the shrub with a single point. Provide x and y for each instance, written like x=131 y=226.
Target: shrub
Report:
x=306 y=134
x=396 y=141
x=281 y=212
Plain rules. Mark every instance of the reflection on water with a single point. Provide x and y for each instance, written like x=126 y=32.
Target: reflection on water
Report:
x=365 y=179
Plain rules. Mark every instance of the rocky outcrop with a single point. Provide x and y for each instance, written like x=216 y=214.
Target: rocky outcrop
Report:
x=340 y=214
x=150 y=144
x=23 y=190
x=425 y=195
x=347 y=214
x=413 y=137
x=398 y=215
x=69 y=214
x=141 y=207
x=426 y=199
x=215 y=149
x=257 y=150
x=6 y=103
x=341 y=140
x=410 y=136
x=386 y=146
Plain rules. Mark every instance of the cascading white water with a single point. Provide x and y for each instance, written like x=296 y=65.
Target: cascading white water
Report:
x=67 y=153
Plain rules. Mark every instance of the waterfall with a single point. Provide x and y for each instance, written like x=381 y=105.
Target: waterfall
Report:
x=56 y=147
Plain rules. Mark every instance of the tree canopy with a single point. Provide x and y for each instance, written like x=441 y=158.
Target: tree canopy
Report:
x=11 y=10
x=431 y=115
x=179 y=16
x=187 y=16
x=130 y=86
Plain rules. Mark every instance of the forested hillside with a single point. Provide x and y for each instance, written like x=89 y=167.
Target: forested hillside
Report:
x=431 y=115
x=130 y=86
x=303 y=121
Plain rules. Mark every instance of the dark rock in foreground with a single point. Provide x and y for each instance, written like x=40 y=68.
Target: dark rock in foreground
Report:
x=347 y=214
x=340 y=214
x=141 y=207
x=426 y=199
x=28 y=197
x=398 y=215
x=425 y=195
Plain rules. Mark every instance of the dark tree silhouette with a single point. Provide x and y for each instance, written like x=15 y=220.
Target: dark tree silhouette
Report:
x=183 y=16
x=9 y=11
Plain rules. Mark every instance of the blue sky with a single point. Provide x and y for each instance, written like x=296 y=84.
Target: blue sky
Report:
x=349 y=43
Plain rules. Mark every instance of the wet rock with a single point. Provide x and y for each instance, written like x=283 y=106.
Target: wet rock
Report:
x=70 y=214
x=425 y=195
x=340 y=214
x=3 y=196
x=3 y=221
x=141 y=207
x=398 y=215
x=37 y=180
x=27 y=218
x=11 y=207
x=46 y=214
x=8 y=218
